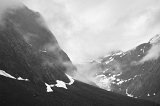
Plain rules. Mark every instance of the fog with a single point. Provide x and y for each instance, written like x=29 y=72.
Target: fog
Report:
x=152 y=54
x=88 y=29
x=7 y=4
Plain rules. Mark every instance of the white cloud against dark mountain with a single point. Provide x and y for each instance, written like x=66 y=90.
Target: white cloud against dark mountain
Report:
x=152 y=54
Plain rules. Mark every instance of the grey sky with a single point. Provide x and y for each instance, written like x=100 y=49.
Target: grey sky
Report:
x=87 y=29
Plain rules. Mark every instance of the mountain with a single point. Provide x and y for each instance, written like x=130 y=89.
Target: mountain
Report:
x=29 y=50
x=133 y=73
x=35 y=71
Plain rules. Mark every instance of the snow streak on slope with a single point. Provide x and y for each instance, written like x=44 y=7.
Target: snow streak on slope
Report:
x=71 y=80
x=3 y=73
x=20 y=78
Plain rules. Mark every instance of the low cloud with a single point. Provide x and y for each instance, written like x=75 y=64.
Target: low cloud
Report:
x=89 y=29
x=152 y=54
x=8 y=4
x=86 y=73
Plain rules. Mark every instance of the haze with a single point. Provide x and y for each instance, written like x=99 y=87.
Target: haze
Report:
x=88 y=29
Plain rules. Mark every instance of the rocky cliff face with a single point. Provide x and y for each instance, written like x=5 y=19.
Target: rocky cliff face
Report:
x=134 y=73
x=29 y=50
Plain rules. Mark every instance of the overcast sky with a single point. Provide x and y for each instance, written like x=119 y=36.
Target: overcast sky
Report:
x=87 y=29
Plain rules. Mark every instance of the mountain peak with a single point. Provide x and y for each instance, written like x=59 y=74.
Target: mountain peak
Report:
x=155 y=39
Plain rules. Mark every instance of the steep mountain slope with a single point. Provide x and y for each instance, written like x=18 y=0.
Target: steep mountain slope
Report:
x=22 y=93
x=134 y=73
x=33 y=68
x=29 y=50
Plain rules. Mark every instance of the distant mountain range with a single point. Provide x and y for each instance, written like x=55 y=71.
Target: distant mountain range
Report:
x=134 y=73
x=35 y=71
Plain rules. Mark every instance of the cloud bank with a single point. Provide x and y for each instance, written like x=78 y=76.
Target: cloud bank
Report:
x=152 y=54
x=87 y=29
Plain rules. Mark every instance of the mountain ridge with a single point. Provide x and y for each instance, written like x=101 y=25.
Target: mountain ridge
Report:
x=132 y=73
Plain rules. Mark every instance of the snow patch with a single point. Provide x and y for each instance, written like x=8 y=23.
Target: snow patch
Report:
x=60 y=84
x=123 y=54
x=105 y=82
x=43 y=51
x=49 y=89
x=120 y=82
x=20 y=78
x=3 y=73
x=118 y=53
x=71 y=80
x=107 y=62
x=111 y=59
x=130 y=95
